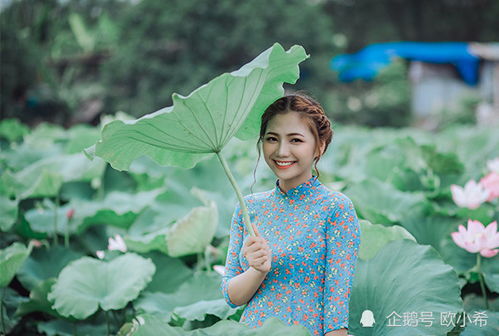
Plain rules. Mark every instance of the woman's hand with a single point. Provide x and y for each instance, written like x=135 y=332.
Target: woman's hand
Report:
x=257 y=252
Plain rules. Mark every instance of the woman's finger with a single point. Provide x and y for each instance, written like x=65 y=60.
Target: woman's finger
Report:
x=260 y=261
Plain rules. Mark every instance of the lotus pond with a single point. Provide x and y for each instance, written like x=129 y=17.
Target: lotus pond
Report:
x=90 y=250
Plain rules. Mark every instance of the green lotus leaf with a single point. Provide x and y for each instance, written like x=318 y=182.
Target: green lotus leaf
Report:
x=80 y=137
x=490 y=269
x=474 y=146
x=170 y=273
x=146 y=325
x=45 y=263
x=87 y=284
x=403 y=277
x=201 y=286
x=199 y=310
x=380 y=202
x=202 y=123
x=45 y=177
x=67 y=328
x=428 y=227
x=202 y=221
x=116 y=209
x=12 y=129
x=38 y=301
x=168 y=223
x=10 y=301
x=11 y=259
x=376 y=236
x=8 y=213
x=480 y=321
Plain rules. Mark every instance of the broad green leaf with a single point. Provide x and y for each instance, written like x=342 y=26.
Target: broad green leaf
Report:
x=199 y=310
x=45 y=263
x=490 y=269
x=66 y=328
x=87 y=284
x=457 y=257
x=8 y=213
x=170 y=220
x=480 y=321
x=376 y=236
x=11 y=300
x=202 y=286
x=80 y=137
x=192 y=233
x=170 y=273
x=473 y=145
x=38 y=301
x=146 y=325
x=116 y=209
x=403 y=277
x=45 y=177
x=428 y=227
x=380 y=202
x=11 y=259
x=12 y=129
x=202 y=123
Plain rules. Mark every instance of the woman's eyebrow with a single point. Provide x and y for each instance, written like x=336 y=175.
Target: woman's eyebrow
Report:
x=289 y=134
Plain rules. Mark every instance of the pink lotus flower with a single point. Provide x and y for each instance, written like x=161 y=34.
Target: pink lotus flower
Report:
x=478 y=238
x=36 y=243
x=471 y=196
x=70 y=214
x=493 y=165
x=491 y=184
x=116 y=244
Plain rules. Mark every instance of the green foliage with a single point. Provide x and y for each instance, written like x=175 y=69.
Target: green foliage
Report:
x=238 y=99
x=44 y=264
x=145 y=325
x=86 y=284
x=11 y=259
x=405 y=265
x=376 y=236
x=397 y=179
x=12 y=130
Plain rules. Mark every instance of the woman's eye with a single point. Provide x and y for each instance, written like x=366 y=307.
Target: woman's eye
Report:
x=272 y=139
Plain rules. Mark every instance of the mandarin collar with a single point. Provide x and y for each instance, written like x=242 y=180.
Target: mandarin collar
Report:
x=300 y=191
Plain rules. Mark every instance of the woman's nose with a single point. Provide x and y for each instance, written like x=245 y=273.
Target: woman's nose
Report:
x=283 y=149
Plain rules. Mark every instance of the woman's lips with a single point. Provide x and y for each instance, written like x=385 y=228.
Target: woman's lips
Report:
x=284 y=167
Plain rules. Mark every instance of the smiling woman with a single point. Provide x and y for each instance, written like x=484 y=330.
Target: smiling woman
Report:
x=301 y=264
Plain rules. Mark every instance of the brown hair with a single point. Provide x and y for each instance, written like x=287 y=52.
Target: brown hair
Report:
x=310 y=111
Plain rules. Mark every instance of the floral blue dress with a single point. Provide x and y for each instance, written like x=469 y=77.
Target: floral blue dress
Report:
x=314 y=235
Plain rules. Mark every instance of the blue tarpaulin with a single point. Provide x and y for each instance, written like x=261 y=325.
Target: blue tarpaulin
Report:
x=366 y=63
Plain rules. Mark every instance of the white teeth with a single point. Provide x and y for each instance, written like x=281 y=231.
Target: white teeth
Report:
x=284 y=164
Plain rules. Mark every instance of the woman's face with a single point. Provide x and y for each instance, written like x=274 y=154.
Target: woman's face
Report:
x=288 y=139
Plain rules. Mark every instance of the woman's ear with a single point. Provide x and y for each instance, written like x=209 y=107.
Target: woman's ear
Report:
x=322 y=146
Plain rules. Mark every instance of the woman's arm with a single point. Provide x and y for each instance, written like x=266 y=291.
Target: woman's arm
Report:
x=238 y=286
x=244 y=286
x=342 y=245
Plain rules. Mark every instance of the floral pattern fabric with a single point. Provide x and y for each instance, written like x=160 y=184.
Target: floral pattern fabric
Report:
x=314 y=235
